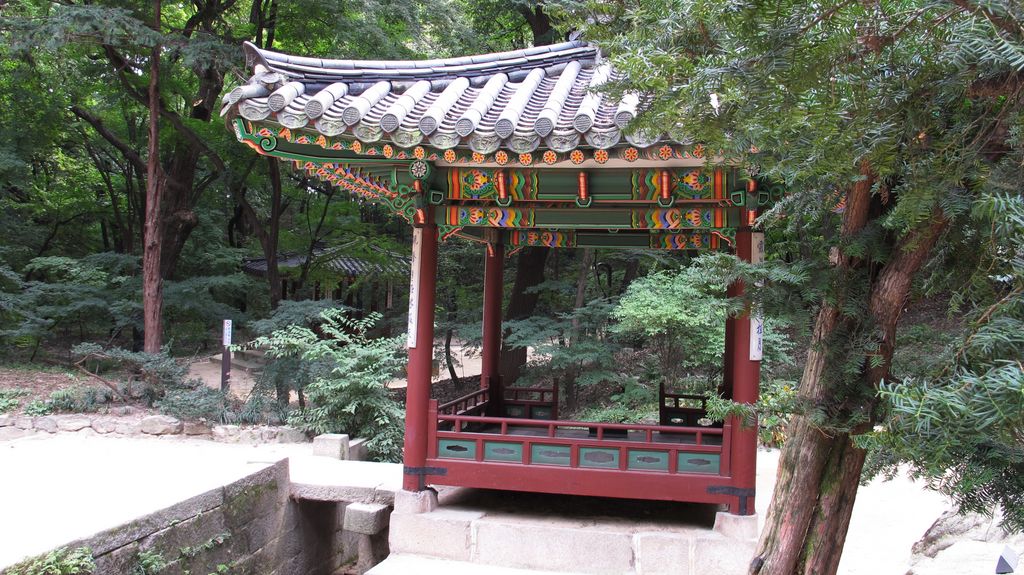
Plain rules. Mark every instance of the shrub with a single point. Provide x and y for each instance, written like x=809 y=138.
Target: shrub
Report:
x=349 y=374
x=60 y=562
x=38 y=407
x=193 y=404
x=9 y=399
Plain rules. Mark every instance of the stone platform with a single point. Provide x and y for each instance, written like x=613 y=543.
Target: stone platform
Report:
x=492 y=531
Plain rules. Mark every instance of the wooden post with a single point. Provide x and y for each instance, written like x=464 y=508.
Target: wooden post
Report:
x=493 y=287
x=743 y=355
x=422 y=296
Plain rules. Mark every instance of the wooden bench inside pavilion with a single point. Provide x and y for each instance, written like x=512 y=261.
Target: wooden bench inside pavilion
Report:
x=513 y=150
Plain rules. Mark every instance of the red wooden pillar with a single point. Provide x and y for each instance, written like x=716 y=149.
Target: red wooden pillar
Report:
x=743 y=366
x=493 y=284
x=422 y=295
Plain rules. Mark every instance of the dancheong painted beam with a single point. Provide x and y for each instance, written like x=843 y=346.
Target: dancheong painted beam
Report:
x=513 y=150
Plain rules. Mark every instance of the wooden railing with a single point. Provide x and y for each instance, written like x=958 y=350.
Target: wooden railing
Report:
x=681 y=409
x=470 y=404
x=606 y=446
x=531 y=402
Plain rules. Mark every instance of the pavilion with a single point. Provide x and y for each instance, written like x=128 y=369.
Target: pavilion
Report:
x=511 y=150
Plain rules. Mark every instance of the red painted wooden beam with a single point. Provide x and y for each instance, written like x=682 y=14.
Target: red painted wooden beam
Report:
x=422 y=298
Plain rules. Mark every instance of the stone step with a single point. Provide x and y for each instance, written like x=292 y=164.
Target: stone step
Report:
x=239 y=364
x=257 y=356
x=401 y=564
x=593 y=545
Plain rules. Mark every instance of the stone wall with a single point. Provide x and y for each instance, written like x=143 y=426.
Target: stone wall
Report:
x=249 y=527
x=140 y=425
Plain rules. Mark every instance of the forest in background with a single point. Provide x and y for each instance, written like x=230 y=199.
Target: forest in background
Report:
x=923 y=125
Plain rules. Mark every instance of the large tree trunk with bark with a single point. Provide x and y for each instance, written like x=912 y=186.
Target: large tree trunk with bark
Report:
x=152 y=280
x=522 y=301
x=267 y=233
x=571 y=388
x=820 y=468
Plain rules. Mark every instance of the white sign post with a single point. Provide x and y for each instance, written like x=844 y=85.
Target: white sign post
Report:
x=756 y=317
x=414 y=288
x=225 y=355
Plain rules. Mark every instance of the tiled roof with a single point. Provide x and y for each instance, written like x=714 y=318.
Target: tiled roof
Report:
x=522 y=100
x=332 y=259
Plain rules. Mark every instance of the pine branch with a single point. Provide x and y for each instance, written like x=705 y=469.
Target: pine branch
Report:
x=127 y=151
x=120 y=63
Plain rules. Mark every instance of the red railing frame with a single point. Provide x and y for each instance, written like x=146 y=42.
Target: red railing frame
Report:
x=475 y=401
x=548 y=397
x=574 y=480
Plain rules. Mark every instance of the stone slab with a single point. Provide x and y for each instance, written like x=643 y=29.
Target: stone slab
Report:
x=333 y=445
x=545 y=546
x=325 y=479
x=366 y=518
x=404 y=564
x=717 y=555
x=444 y=533
x=742 y=527
x=416 y=501
x=662 y=553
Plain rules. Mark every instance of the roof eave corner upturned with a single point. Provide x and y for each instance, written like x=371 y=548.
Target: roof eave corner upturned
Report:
x=254 y=55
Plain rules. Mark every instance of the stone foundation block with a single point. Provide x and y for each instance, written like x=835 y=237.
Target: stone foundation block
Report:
x=357 y=450
x=160 y=425
x=508 y=544
x=104 y=425
x=722 y=556
x=291 y=435
x=742 y=527
x=334 y=445
x=195 y=428
x=11 y=432
x=6 y=420
x=226 y=433
x=444 y=533
x=412 y=502
x=126 y=428
x=73 y=423
x=47 y=424
x=662 y=553
x=366 y=518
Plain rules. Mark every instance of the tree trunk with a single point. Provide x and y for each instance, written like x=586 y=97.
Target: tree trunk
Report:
x=152 y=280
x=571 y=390
x=267 y=233
x=521 y=303
x=819 y=469
x=448 y=360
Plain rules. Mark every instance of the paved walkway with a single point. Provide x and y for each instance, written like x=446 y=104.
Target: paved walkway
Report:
x=55 y=489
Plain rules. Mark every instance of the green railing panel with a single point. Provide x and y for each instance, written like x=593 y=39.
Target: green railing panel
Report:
x=503 y=451
x=646 y=460
x=599 y=458
x=543 y=454
x=699 y=463
x=456 y=449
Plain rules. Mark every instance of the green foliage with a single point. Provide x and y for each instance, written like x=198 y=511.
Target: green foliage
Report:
x=38 y=407
x=194 y=404
x=348 y=372
x=9 y=399
x=961 y=427
x=148 y=563
x=193 y=551
x=59 y=562
x=575 y=347
x=679 y=316
x=78 y=399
